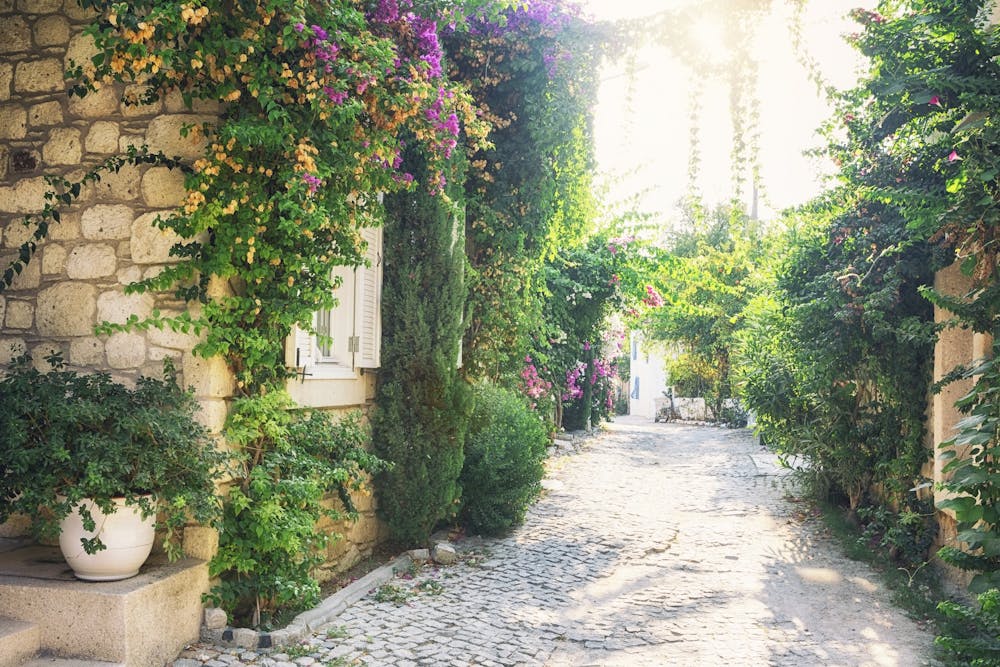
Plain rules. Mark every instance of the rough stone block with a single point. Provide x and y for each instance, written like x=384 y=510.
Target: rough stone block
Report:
x=17 y=233
x=164 y=134
x=244 y=638
x=26 y=196
x=103 y=137
x=103 y=102
x=212 y=415
x=158 y=354
x=215 y=618
x=163 y=187
x=53 y=259
x=46 y=113
x=116 y=306
x=129 y=275
x=210 y=378
x=95 y=260
x=363 y=532
x=122 y=185
x=80 y=50
x=11 y=347
x=127 y=141
x=125 y=350
x=15 y=35
x=6 y=78
x=201 y=542
x=41 y=353
x=67 y=229
x=13 y=122
x=39 y=76
x=103 y=222
x=86 y=351
x=151 y=245
x=20 y=315
x=63 y=147
x=52 y=31
x=444 y=553
x=74 y=11
x=66 y=309
x=419 y=554
x=3 y=311
x=135 y=92
x=39 y=6
x=29 y=278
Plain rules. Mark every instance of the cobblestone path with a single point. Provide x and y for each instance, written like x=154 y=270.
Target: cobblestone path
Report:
x=658 y=544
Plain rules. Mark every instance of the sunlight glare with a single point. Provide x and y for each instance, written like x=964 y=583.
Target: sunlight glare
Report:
x=711 y=39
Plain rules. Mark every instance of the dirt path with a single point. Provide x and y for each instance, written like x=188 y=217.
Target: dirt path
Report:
x=658 y=544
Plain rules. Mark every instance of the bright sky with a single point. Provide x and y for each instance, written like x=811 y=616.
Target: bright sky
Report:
x=645 y=145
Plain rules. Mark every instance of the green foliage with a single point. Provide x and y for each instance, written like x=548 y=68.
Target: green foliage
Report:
x=974 y=469
x=528 y=194
x=972 y=636
x=503 y=461
x=837 y=365
x=691 y=375
x=422 y=405
x=66 y=436
x=906 y=535
x=585 y=284
x=269 y=537
x=923 y=145
x=705 y=279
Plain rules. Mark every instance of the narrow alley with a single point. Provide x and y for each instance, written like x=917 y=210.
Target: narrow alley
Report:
x=656 y=544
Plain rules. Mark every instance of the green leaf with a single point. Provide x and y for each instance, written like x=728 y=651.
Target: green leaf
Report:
x=972 y=120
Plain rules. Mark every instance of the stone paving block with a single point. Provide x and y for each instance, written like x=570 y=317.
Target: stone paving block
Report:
x=598 y=576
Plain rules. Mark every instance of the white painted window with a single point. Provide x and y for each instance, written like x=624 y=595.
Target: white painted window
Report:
x=350 y=334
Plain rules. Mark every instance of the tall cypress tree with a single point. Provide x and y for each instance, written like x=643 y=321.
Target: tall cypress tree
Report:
x=423 y=405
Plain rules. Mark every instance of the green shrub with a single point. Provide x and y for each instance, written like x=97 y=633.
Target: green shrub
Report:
x=972 y=638
x=269 y=539
x=66 y=436
x=503 y=461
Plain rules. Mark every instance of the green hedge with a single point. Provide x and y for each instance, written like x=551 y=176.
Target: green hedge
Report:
x=503 y=461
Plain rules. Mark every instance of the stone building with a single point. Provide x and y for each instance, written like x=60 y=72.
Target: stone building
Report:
x=105 y=241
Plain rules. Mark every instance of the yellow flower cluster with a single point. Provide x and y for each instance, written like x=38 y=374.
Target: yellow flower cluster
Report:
x=305 y=160
x=193 y=16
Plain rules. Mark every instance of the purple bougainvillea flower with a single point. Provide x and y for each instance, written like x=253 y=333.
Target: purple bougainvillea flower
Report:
x=299 y=27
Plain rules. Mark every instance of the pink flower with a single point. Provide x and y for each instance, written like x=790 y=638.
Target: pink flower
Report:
x=936 y=101
x=952 y=156
x=653 y=299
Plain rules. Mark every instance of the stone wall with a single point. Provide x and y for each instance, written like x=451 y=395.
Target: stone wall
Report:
x=105 y=240
x=954 y=347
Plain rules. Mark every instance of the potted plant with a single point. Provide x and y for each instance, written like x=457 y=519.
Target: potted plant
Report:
x=80 y=452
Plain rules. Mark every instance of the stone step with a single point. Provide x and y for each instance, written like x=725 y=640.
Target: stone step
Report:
x=19 y=642
x=70 y=662
x=139 y=622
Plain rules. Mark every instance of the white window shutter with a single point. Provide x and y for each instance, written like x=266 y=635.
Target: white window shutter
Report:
x=368 y=302
x=305 y=351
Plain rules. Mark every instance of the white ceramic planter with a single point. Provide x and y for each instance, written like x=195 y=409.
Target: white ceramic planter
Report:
x=128 y=539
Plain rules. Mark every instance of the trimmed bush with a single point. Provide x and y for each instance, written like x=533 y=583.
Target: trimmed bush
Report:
x=503 y=461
